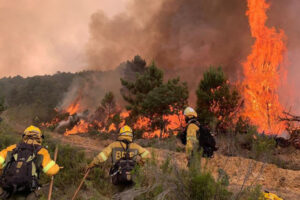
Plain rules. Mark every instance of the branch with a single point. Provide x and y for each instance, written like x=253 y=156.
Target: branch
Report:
x=289 y=117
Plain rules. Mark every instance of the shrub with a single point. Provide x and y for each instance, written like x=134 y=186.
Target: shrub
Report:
x=263 y=146
x=251 y=193
x=202 y=185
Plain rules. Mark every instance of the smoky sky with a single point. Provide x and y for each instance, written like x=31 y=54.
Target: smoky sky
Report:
x=181 y=36
x=42 y=37
x=184 y=37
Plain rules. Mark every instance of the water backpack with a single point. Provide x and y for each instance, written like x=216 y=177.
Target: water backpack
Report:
x=206 y=140
x=121 y=171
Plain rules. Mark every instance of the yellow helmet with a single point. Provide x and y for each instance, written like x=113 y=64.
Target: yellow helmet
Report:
x=33 y=131
x=190 y=112
x=269 y=196
x=126 y=131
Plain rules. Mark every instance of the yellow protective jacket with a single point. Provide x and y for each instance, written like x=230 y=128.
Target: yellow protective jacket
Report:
x=117 y=150
x=270 y=196
x=191 y=138
x=49 y=167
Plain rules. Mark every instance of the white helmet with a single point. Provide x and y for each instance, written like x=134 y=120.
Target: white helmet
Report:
x=190 y=112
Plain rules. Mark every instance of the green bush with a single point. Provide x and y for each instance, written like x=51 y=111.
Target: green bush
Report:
x=203 y=186
x=263 y=146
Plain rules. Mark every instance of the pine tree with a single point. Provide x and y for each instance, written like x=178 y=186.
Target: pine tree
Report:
x=149 y=97
x=217 y=99
x=138 y=89
x=108 y=103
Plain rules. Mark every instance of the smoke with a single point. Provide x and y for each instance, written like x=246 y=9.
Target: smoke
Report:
x=285 y=15
x=182 y=36
x=88 y=89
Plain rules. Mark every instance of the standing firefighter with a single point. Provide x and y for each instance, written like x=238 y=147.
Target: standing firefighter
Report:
x=196 y=136
x=21 y=164
x=124 y=154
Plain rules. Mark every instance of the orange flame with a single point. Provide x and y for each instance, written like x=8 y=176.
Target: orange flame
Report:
x=174 y=123
x=73 y=108
x=81 y=127
x=262 y=71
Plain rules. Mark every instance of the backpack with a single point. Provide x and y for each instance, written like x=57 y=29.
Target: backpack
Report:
x=22 y=169
x=121 y=171
x=206 y=140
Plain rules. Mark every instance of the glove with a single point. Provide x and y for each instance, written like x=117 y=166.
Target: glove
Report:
x=91 y=165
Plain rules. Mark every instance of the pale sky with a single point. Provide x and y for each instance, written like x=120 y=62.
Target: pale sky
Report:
x=42 y=37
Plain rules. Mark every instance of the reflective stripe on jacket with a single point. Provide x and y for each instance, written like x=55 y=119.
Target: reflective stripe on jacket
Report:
x=117 y=150
x=48 y=165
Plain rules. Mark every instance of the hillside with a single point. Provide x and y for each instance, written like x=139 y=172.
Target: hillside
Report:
x=242 y=172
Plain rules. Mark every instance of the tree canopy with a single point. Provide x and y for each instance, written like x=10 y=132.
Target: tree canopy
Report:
x=217 y=99
x=148 y=96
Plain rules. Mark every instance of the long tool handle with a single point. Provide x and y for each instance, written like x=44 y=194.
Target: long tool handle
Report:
x=52 y=178
x=78 y=189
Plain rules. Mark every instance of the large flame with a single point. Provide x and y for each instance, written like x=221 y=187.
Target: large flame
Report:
x=263 y=71
x=73 y=108
x=81 y=127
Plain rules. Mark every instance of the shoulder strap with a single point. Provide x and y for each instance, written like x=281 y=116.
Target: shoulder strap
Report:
x=127 y=143
x=194 y=121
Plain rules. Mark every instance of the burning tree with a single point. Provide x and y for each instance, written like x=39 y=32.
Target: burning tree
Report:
x=108 y=113
x=217 y=99
x=108 y=103
x=149 y=97
x=262 y=71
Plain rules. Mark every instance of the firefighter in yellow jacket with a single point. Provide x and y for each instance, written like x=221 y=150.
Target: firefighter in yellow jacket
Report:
x=16 y=160
x=192 y=143
x=124 y=154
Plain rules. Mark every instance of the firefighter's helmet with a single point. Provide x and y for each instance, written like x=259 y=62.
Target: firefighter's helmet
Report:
x=126 y=131
x=189 y=112
x=33 y=132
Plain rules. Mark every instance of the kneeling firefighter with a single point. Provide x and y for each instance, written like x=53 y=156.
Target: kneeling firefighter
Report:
x=124 y=154
x=21 y=165
x=195 y=136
